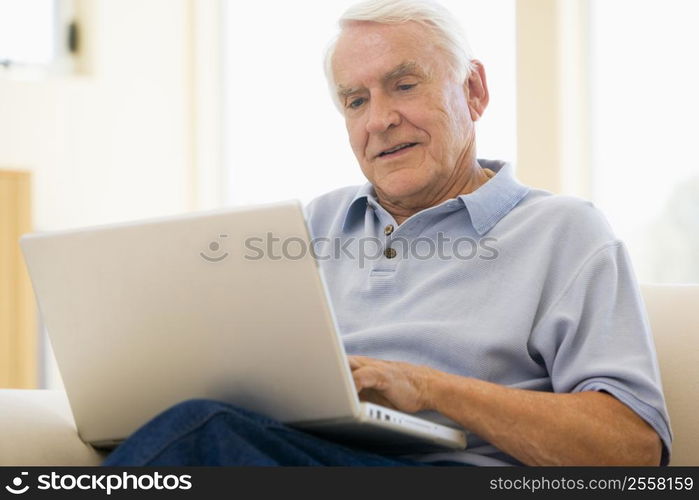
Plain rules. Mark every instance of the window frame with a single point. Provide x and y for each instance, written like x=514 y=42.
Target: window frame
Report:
x=64 y=61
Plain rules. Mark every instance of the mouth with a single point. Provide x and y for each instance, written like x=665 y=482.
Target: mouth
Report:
x=397 y=150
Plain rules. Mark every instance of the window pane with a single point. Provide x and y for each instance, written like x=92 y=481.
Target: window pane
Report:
x=284 y=137
x=27 y=31
x=645 y=78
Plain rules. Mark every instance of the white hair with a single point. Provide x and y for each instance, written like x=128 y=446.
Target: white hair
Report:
x=446 y=30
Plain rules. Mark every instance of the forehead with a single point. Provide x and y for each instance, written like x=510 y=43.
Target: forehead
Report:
x=366 y=51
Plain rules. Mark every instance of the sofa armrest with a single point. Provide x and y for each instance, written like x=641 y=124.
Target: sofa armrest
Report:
x=37 y=428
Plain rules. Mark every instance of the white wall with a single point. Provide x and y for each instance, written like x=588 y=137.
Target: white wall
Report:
x=115 y=143
x=284 y=138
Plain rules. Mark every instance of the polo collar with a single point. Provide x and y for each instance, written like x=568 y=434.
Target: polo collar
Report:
x=359 y=204
x=486 y=205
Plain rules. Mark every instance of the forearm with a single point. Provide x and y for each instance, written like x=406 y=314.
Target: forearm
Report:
x=540 y=428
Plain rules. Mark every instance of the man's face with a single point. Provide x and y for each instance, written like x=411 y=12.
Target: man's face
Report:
x=408 y=118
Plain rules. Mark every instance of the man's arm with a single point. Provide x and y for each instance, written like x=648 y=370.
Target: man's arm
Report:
x=537 y=428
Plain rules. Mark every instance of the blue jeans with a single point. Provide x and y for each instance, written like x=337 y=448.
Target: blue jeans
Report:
x=204 y=432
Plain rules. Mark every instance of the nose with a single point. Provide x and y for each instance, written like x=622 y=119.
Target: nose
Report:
x=382 y=115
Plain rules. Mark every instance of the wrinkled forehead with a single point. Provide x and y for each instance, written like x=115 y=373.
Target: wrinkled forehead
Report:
x=366 y=51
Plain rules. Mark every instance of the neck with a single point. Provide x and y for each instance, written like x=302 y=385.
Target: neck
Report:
x=472 y=178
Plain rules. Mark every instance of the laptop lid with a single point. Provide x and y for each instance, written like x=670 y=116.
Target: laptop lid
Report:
x=227 y=305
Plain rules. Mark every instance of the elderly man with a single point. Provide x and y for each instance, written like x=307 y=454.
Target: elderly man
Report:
x=540 y=349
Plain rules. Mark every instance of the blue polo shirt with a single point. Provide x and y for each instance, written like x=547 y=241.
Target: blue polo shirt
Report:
x=506 y=284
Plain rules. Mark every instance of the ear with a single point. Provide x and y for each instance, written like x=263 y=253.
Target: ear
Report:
x=476 y=88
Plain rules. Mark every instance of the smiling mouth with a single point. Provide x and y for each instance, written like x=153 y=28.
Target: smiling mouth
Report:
x=397 y=149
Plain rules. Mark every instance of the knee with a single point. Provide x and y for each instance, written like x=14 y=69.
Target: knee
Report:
x=198 y=407
x=202 y=409
x=188 y=414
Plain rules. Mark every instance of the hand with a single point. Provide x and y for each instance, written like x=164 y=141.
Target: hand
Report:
x=394 y=384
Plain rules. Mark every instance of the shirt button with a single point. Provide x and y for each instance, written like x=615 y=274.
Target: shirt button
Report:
x=388 y=229
x=390 y=253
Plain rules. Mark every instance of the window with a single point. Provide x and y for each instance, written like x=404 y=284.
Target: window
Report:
x=36 y=34
x=645 y=104
x=283 y=136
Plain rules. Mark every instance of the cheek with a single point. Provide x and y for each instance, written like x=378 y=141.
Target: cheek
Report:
x=439 y=116
x=458 y=111
x=357 y=138
x=454 y=122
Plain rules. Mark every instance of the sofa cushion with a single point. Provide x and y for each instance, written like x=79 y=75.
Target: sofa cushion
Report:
x=38 y=429
x=674 y=318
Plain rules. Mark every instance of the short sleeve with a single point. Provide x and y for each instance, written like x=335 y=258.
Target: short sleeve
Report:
x=596 y=337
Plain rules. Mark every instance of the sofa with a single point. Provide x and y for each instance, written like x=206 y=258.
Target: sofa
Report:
x=37 y=426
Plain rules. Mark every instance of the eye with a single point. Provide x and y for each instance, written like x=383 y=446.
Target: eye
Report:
x=355 y=103
x=406 y=86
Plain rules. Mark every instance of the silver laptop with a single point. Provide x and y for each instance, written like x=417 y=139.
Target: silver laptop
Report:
x=147 y=314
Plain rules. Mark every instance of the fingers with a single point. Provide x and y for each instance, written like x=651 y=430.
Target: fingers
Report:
x=363 y=379
x=372 y=396
x=370 y=377
x=358 y=361
x=388 y=383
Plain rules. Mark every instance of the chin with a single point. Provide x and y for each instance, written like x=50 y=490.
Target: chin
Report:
x=398 y=185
